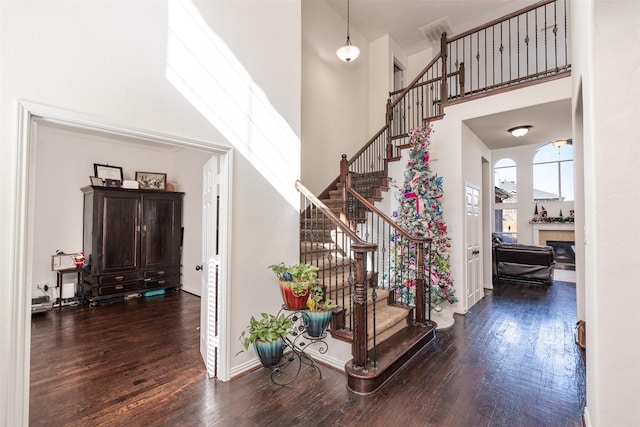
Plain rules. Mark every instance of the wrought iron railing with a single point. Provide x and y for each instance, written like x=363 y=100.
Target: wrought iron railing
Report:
x=357 y=263
x=526 y=45
x=401 y=260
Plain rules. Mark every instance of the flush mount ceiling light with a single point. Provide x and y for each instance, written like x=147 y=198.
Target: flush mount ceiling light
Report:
x=348 y=52
x=519 y=131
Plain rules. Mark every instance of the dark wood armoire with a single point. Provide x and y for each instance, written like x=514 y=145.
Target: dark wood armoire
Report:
x=132 y=241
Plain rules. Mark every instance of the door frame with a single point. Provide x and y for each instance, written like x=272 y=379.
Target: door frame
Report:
x=20 y=333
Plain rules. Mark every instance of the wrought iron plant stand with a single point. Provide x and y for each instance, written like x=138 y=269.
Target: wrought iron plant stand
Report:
x=295 y=359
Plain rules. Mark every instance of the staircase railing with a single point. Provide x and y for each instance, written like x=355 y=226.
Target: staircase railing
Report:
x=525 y=47
x=402 y=260
x=328 y=241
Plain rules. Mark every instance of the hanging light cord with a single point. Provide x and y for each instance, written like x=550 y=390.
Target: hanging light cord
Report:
x=348 y=35
x=348 y=52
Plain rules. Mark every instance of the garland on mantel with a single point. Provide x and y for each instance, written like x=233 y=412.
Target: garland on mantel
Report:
x=420 y=213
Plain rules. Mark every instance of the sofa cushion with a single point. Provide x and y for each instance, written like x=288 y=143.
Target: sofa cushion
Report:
x=522 y=262
x=525 y=254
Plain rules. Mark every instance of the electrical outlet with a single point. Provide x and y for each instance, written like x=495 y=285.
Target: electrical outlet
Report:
x=42 y=286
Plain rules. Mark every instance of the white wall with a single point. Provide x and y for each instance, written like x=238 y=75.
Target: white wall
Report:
x=380 y=81
x=334 y=96
x=384 y=52
x=417 y=62
x=108 y=60
x=606 y=36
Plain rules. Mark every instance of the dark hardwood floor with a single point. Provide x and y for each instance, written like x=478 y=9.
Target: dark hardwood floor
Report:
x=511 y=361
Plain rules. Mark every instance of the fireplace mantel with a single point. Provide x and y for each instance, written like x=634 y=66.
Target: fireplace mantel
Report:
x=562 y=228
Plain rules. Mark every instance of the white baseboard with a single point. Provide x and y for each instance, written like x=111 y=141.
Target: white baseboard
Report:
x=245 y=367
x=251 y=364
x=327 y=360
x=585 y=418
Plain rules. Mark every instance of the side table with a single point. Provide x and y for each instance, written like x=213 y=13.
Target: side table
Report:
x=60 y=275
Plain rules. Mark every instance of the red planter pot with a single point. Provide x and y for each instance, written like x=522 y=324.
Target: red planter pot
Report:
x=291 y=300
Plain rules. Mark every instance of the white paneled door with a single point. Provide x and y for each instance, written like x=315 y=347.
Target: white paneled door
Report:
x=210 y=291
x=474 y=291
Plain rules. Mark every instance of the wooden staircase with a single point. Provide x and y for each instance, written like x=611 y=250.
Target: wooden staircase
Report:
x=348 y=203
x=392 y=336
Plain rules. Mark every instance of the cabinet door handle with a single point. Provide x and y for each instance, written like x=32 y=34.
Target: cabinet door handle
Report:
x=144 y=228
x=119 y=278
x=161 y=282
x=119 y=287
x=137 y=228
x=160 y=273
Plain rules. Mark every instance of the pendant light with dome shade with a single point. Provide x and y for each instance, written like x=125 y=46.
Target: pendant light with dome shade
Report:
x=348 y=52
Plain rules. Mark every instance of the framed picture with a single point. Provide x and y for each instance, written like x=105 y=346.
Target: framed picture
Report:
x=107 y=171
x=152 y=180
x=96 y=181
x=116 y=183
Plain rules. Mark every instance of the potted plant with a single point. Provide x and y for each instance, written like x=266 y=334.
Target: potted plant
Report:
x=267 y=336
x=295 y=283
x=318 y=314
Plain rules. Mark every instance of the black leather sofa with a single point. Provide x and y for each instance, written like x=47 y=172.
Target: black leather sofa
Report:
x=516 y=262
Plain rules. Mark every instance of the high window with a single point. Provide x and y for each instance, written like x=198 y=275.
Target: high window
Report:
x=553 y=173
x=505 y=192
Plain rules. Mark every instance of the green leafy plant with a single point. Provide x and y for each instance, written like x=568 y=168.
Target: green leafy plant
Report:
x=316 y=301
x=268 y=328
x=298 y=276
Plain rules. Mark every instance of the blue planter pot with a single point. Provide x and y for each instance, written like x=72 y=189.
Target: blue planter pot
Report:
x=269 y=352
x=316 y=322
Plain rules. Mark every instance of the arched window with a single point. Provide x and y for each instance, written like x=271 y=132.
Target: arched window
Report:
x=504 y=173
x=505 y=191
x=553 y=173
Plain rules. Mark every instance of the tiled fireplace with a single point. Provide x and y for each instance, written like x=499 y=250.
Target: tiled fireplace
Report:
x=561 y=237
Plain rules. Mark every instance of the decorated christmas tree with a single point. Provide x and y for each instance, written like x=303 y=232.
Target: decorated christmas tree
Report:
x=420 y=214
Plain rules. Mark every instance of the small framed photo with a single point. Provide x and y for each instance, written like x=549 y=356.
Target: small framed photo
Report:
x=115 y=183
x=107 y=171
x=152 y=180
x=96 y=181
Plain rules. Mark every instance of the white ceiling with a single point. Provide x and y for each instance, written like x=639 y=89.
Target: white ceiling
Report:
x=550 y=122
x=403 y=21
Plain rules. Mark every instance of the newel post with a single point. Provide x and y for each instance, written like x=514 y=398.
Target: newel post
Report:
x=359 y=305
x=443 y=86
x=389 y=119
x=344 y=168
x=420 y=280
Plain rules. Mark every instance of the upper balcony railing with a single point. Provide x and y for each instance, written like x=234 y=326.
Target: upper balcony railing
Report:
x=525 y=47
